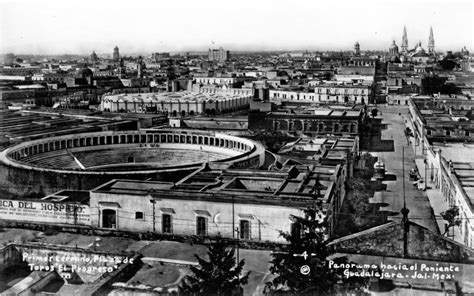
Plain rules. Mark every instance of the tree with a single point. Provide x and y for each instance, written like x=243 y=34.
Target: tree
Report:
x=273 y=141
x=374 y=112
x=218 y=276
x=361 y=205
x=452 y=217
x=307 y=248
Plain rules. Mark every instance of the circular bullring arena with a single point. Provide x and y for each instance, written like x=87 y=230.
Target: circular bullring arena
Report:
x=66 y=162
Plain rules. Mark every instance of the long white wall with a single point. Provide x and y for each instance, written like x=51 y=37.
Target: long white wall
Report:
x=266 y=221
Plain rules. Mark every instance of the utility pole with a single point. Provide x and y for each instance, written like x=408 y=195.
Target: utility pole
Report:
x=404 y=210
x=415 y=140
x=233 y=218
x=153 y=202
x=238 y=236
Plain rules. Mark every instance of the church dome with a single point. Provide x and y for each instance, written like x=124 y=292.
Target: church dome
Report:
x=394 y=45
x=419 y=48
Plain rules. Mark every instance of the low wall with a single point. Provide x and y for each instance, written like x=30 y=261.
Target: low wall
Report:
x=9 y=256
x=40 y=182
x=388 y=239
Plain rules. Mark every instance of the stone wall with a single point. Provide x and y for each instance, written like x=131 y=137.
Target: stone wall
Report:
x=387 y=240
x=9 y=256
x=376 y=241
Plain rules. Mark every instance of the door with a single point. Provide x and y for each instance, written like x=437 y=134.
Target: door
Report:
x=109 y=218
x=244 y=229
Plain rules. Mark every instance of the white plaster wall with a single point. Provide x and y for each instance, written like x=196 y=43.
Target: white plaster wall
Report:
x=265 y=220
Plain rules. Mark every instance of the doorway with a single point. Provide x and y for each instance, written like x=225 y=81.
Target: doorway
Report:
x=109 y=218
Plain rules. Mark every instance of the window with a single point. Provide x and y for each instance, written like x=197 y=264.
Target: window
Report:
x=166 y=223
x=244 y=229
x=201 y=226
x=139 y=215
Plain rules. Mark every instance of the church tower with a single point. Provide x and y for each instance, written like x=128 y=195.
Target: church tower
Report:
x=357 y=49
x=94 y=57
x=431 y=42
x=116 y=54
x=140 y=67
x=404 y=40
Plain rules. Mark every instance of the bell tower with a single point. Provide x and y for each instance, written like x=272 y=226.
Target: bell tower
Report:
x=116 y=54
x=357 y=49
x=404 y=40
x=431 y=42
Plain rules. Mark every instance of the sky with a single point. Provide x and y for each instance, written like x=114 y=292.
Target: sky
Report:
x=145 y=26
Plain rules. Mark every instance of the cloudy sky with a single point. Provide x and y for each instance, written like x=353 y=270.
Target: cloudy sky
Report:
x=77 y=27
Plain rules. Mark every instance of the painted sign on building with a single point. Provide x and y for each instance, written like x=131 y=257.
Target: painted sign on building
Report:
x=46 y=212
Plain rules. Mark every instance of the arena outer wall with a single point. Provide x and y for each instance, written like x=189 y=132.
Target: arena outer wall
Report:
x=21 y=178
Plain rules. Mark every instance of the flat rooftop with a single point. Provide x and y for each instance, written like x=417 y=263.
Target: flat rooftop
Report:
x=129 y=186
x=322 y=112
x=319 y=148
x=183 y=96
x=465 y=174
x=24 y=125
x=81 y=197
x=456 y=152
x=296 y=182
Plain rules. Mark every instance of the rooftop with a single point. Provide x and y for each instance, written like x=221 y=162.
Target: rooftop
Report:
x=320 y=148
x=21 y=125
x=456 y=152
x=465 y=174
x=69 y=196
x=293 y=183
x=186 y=96
x=323 y=112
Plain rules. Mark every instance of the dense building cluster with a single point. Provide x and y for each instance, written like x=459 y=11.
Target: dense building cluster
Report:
x=192 y=146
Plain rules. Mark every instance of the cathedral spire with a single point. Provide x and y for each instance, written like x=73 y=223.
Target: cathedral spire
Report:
x=404 y=40
x=431 y=42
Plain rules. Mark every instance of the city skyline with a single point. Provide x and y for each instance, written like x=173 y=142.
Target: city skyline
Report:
x=57 y=28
